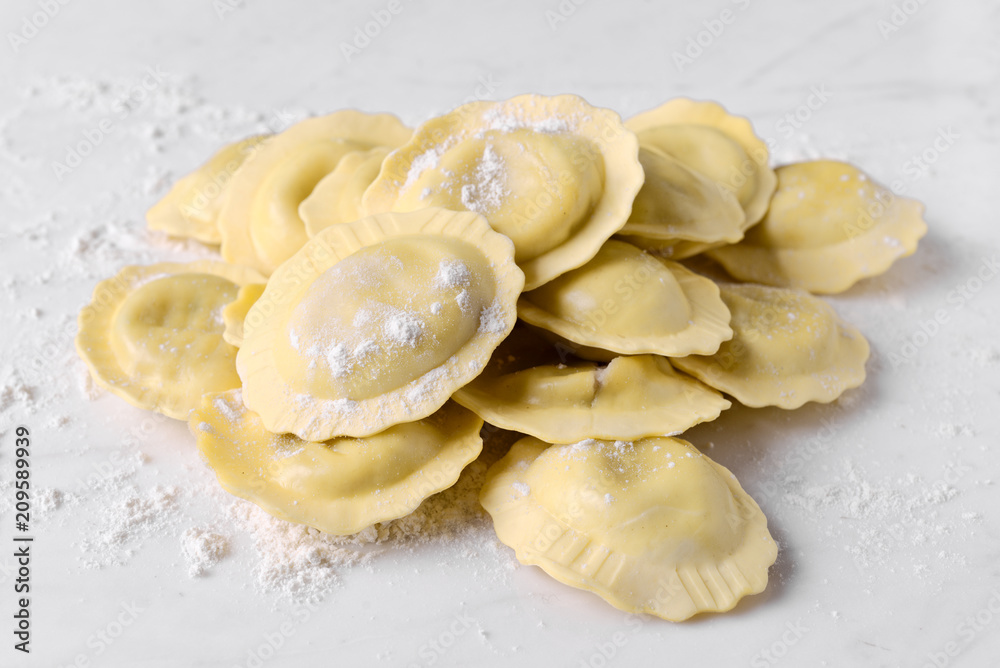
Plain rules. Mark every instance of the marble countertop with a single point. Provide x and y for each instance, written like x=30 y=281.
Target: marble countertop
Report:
x=884 y=503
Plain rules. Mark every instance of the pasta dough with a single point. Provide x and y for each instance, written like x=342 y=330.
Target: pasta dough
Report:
x=554 y=174
x=339 y=486
x=678 y=212
x=337 y=197
x=153 y=335
x=377 y=322
x=788 y=348
x=706 y=138
x=259 y=221
x=192 y=206
x=527 y=388
x=628 y=301
x=829 y=226
x=650 y=526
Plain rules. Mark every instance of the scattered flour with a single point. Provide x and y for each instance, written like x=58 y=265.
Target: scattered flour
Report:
x=487 y=192
x=202 y=549
x=128 y=522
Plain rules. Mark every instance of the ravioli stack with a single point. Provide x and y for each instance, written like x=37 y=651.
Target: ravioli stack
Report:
x=382 y=292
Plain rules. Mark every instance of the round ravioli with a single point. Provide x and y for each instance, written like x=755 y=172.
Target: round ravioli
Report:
x=153 y=335
x=628 y=301
x=377 y=322
x=192 y=206
x=259 y=221
x=340 y=486
x=554 y=174
x=678 y=212
x=527 y=388
x=337 y=197
x=788 y=348
x=706 y=138
x=652 y=526
x=829 y=226
x=235 y=312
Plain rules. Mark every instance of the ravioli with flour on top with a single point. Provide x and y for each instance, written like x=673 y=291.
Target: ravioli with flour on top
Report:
x=235 y=312
x=650 y=526
x=153 y=335
x=554 y=174
x=707 y=139
x=678 y=212
x=829 y=226
x=192 y=206
x=528 y=388
x=337 y=197
x=340 y=486
x=628 y=301
x=377 y=322
x=788 y=348
x=259 y=221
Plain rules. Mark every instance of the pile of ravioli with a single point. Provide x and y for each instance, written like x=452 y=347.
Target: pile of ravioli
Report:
x=386 y=297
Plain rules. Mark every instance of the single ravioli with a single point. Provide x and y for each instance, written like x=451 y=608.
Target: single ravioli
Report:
x=829 y=226
x=192 y=206
x=337 y=197
x=377 y=322
x=340 y=486
x=554 y=174
x=650 y=526
x=235 y=312
x=678 y=212
x=259 y=221
x=788 y=348
x=527 y=388
x=628 y=301
x=706 y=138
x=153 y=335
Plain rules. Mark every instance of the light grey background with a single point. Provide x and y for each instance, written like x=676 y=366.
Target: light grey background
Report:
x=887 y=523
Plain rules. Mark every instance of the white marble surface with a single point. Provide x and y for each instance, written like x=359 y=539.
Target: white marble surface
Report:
x=886 y=512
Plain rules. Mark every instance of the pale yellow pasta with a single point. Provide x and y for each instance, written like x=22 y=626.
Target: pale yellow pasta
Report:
x=788 y=348
x=153 y=335
x=829 y=226
x=678 y=212
x=192 y=206
x=554 y=174
x=534 y=388
x=235 y=312
x=340 y=486
x=377 y=322
x=651 y=526
x=259 y=221
x=337 y=197
x=708 y=139
x=628 y=301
